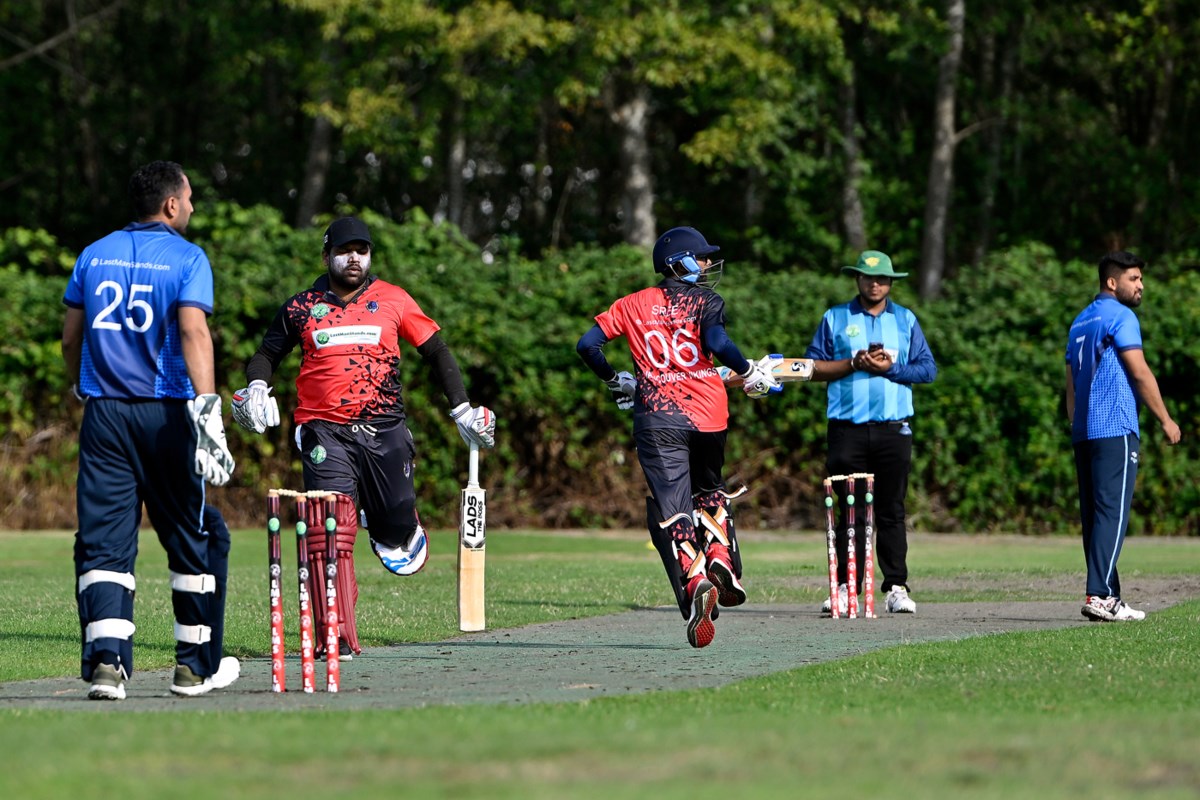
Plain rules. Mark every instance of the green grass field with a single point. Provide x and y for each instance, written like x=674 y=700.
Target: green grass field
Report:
x=1097 y=711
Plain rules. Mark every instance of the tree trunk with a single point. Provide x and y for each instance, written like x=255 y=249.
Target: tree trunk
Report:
x=941 y=161
x=995 y=151
x=1158 y=124
x=632 y=117
x=84 y=97
x=853 y=219
x=320 y=148
x=456 y=162
x=542 y=188
x=316 y=171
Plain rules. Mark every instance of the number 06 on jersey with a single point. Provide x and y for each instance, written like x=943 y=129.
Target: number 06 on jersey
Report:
x=472 y=529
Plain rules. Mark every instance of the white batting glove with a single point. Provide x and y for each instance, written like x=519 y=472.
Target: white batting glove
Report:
x=623 y=388
x=254 y=408
x=213 y=459
x=475 y=425
x=758 y=381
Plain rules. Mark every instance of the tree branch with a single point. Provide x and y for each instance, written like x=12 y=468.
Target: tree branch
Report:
x=976 y=127
x=36 y=50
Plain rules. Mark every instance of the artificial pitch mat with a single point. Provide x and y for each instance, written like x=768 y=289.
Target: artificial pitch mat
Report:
x=632 y=652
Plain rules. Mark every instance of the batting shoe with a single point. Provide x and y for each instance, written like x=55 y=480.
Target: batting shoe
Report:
x=108 y=683
x=1110 y=609
x=721 y=574
x=700 y=628
x=898 y=601
x=843 y=594
x=401 y=560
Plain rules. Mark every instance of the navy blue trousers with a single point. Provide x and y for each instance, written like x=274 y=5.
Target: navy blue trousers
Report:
x=1107 y=470
x=133 y=453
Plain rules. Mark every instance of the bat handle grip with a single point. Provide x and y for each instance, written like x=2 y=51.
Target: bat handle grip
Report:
x=473 y=467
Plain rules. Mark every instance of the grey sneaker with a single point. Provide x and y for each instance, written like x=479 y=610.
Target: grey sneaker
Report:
x=108 y=683
x=188 y=683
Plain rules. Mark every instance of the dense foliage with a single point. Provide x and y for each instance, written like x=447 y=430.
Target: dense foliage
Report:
x=764 y=123
x=992 y=447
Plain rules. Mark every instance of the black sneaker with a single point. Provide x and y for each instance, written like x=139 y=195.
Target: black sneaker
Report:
x=344 y=651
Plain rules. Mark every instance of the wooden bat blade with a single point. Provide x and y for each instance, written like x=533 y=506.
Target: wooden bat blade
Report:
x=787 y=371
x=472 y=540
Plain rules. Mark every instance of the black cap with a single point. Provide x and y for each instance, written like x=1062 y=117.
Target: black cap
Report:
x=345 y=230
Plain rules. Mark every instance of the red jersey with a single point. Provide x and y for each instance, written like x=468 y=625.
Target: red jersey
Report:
x=678 y=386
x=350 y=352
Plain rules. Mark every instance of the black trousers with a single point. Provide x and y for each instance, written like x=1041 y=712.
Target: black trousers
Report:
x=373 y=464
x=884 y=449
x=680 y=463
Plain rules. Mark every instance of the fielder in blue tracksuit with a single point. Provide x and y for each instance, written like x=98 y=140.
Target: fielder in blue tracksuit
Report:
x=1107 y=376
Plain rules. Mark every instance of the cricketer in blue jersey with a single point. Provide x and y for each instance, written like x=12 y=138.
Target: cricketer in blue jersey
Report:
x=871 y=351
x=137 y=344
x=1107 y=376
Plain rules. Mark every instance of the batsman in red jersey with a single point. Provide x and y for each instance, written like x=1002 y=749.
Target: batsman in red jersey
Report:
x=680 y=417
x=350 y=419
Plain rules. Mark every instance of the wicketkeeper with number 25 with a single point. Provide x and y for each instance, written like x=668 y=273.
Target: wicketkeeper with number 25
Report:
x=680 y=416
x=350 y=419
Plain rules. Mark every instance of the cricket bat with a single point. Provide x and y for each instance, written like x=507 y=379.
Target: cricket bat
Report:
x=471 y=540
x=786 y=371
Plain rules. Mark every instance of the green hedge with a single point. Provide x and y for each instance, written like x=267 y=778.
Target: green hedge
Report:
x=992 y=444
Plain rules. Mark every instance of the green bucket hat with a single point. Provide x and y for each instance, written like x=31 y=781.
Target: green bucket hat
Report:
x=873 y=262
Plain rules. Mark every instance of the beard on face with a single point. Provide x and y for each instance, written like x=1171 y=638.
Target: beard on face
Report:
x=341 y=273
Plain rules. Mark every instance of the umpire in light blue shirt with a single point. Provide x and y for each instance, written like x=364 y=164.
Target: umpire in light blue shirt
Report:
x=871 y=351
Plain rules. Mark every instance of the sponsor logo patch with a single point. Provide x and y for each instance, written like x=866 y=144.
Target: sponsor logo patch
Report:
x=348 y=335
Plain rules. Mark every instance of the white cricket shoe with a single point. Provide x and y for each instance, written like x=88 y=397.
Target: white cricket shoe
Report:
x=898 y=601
x=403 y=560
x=228 y=671
x=843 y=602
x=1110 y=609
x=1127 y=613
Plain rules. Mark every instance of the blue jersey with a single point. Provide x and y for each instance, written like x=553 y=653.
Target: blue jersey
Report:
x=131 y=285
x=1105 y=402
x=860 y=396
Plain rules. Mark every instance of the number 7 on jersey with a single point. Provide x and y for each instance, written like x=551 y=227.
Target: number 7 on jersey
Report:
x=472 y=529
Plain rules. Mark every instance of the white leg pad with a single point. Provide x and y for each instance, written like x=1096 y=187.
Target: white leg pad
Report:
x=106 y=576
x=192 y=634
x=196 y=584
x=113 y=628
